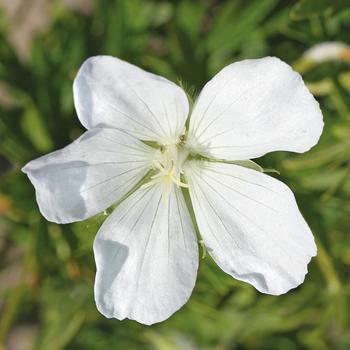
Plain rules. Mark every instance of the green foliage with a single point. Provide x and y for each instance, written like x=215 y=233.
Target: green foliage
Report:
x=186 y=41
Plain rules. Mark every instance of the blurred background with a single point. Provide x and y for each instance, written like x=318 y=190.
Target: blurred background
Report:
x=47 y=270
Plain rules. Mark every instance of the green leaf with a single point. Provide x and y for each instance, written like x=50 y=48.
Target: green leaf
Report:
x=33 y=126
x=308 y=8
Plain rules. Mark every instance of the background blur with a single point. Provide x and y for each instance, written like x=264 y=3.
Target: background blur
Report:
x=47 y=270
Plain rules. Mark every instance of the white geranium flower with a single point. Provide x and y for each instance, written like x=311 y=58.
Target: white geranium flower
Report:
x=146 y=251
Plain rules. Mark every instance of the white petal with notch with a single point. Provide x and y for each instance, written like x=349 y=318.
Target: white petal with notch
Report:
x=254 y=107
x=146 y=257
x=88 y=175
x=109 y=92
x=251 y=225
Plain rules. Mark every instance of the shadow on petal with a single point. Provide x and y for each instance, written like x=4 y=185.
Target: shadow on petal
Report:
x=110 y=257
x=254 y=278
x=59 y=190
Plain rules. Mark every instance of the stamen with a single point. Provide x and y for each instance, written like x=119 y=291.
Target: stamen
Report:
x=166 y=174
x=157 y=165
x=179 y=182
x=148 y=184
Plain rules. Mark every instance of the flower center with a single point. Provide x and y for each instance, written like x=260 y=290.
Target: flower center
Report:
x=168 y=166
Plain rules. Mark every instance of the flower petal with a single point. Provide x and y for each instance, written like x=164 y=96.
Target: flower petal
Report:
x=88 y=175
x=251 y=225
x=146 y=257
x=113 y=93
x=254 y=107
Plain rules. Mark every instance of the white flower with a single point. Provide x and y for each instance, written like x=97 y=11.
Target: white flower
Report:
x=146 y=251
x=327 y=51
